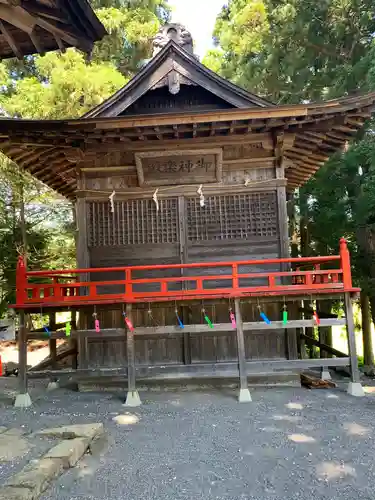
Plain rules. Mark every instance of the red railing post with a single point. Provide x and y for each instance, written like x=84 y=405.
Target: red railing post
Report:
x=345 y=264
x=235 y=283
x=21 y=281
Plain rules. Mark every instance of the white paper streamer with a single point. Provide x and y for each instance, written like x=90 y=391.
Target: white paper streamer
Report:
x=155 y=198
x=201 y=196
x=111 y=201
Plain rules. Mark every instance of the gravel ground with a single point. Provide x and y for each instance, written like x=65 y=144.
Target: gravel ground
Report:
x=287 y=444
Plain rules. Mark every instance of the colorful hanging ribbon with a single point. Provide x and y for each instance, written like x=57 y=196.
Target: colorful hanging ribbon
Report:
x=181 y=325
x=315 y=313
x=45 y=327
x=316 y=317
x=232 y=319
x=264 y=317
x=128 y=323
x=207 y=319
x=285 y=315
x=96 y=322
x=68 y=329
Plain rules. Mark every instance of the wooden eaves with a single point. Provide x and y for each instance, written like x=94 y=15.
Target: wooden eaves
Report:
x=51 y=150
x=39 y=26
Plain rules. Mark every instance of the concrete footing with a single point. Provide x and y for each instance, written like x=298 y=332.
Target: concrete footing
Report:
x=244 y=396
x=325 y=374
x=23 y=401
x=133 y=399
x=52 y=386
x=355 y=389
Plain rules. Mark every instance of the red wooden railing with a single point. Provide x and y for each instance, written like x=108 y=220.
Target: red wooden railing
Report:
x=192 y=281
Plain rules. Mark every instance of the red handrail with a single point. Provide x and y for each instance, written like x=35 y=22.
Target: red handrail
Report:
x=276 y=283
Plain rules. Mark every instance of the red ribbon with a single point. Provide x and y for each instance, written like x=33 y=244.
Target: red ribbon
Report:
x=316 y=318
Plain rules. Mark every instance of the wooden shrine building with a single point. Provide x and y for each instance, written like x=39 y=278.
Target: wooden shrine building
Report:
x=180 y=182
x=40 y=26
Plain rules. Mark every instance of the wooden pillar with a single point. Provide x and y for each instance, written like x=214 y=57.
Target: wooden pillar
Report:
x=82 y=344
x=186 y=318
x=368 y=354
x=183 y=259
x=291 y=333
x=73 y=341
x=132 y=397
x=244 y=395
x=23 y=399
x=355 y=388
x=52 y=344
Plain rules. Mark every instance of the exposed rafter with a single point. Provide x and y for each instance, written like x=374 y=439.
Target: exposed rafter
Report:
x=31 y=26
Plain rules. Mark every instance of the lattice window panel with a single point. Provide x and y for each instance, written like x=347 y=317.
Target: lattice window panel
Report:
x=229 y=217
x=134 y=222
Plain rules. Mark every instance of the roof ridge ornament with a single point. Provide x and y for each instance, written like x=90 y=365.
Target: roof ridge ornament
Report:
x=176 y=32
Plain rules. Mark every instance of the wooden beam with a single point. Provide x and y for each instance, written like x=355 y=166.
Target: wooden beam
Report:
x=223 y=369
x=38 y=9
x=14 y=3
x=158 y=134
x=60 y=43
x=41 y=166
x=140 y=134
x=11 y=42
x=64 y=34
x=18 y=17
x=324 y=347
x=49 y=361
x=36 y=42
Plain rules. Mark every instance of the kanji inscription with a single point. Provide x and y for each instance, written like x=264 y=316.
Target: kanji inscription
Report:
x=179 y=167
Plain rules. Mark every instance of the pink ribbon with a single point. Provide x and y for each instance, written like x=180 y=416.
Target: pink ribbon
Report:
x=97 y=325
x=233 y=319
x=129 y=324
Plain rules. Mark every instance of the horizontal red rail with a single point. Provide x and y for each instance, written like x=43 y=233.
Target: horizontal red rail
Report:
x=297 y=260
x=236 y=281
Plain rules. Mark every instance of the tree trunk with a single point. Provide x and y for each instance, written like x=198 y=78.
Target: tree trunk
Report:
x=368 y=354
x=23 y=222
x=293 y=227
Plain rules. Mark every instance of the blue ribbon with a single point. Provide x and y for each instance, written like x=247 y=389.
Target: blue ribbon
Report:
x=179 y=321
x=264 y=318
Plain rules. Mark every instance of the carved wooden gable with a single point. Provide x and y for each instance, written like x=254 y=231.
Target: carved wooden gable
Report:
x=172 y=81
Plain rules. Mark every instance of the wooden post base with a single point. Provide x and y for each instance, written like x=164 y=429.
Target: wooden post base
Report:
x=52 y=386
x=244 y=396
x=325 y=375
x=23 y=401
x=133 y=399
x=355 y=389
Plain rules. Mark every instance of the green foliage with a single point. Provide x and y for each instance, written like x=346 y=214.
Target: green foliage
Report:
x=299 y=49
x=131 y=26
x=65 y=86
